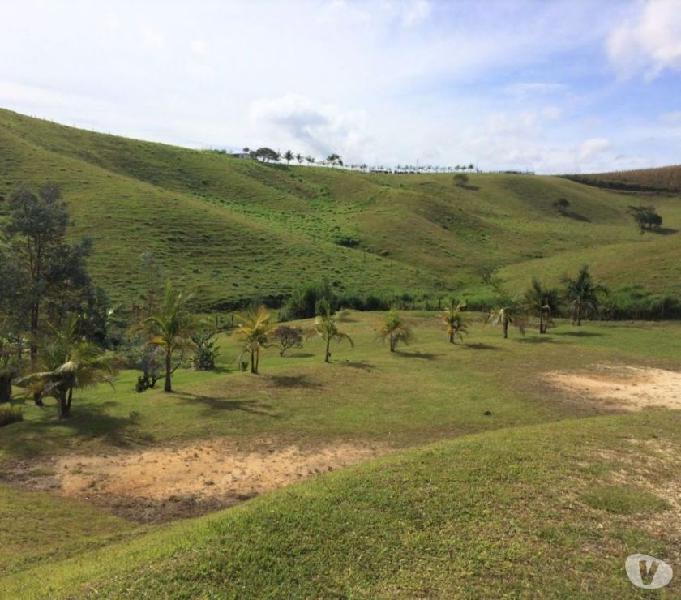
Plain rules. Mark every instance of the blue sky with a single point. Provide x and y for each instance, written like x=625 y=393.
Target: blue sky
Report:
x=548 y=86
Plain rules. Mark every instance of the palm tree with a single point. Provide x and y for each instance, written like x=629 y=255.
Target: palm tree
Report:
x=325 y=327
x=72 y=363
x=170 y=328
x=395 y=330
x=453 y=319
x=542 y=301
x=502 y=316
x=288 y=156
x=582 y=295
x=253 y=331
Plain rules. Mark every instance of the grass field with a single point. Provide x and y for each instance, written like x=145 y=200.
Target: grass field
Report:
x=231 y=229
x=493 y=482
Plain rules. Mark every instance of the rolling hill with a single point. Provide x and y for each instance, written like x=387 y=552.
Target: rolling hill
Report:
x=233 y=229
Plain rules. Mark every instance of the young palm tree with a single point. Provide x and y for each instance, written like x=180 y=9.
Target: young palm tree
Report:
x=253 y=331
x=582 y=295
x=453 y=319
x=72 y=363
x=395 y=330
x=325 y=327
x=541 y=301
x=170 y=328
x=502 y=316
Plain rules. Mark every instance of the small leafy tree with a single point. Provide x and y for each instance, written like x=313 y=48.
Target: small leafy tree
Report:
x=646 y=218
x=454 y=320
x=326 y=328
x=170 y=328
x=299 y=158
x=461 y=180
x=288 y=337
x=253 y=331
x=288 y=156
x=582 y=295
x=543 y=302
x=205 y=350
x=395 y=330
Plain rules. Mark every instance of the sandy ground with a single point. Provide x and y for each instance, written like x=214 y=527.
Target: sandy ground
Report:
x=167 y=483
x=624 y=387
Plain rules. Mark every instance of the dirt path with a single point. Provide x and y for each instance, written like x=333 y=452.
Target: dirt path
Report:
x=624 y=387
x=162 y=484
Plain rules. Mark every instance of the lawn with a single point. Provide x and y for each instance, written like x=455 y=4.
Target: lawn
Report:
x=517 y=460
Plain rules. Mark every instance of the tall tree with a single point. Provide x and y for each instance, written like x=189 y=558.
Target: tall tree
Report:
x=542 y=302
x=288 y=156
x=52 y=271
x=582 y=294
x=326 y=328
x=253 y=331
x=170 y=328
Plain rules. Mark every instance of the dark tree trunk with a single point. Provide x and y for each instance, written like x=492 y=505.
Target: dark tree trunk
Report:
x=451 y=336
x=392 y=343
x=5 y=388
x=168 y=386
x=254 y=368
x=505 y=328
x=327 y=355
x=63 y=405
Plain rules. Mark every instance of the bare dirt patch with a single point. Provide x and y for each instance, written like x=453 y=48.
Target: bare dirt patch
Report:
x=623 y=387
x=161 y=484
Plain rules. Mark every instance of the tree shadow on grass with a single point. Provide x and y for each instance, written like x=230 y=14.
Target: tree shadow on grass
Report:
x=536 y=340
x=300 y=355
x=292 y=381
x=479 y=346
x=665 y=231
x=357 y=364
x=421 y=355
x=86 y=422
x=213 y=403
x=579 y=333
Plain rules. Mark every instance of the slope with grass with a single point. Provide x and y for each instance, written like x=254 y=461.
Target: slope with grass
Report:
x=233 y=229
x=660 y=179
x=555 y=508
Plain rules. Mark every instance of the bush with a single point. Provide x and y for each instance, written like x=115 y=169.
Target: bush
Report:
x=10 y=414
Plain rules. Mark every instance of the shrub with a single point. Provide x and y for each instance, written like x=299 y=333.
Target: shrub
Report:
x=10 y=414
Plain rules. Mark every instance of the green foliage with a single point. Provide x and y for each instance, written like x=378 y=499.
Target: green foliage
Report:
x=624 y=500
x=287 y=337
x=326 y=328
x=454 y=320
x=10 y=414
x=646 y=218
x=253 y=333
x=395 y=330
x=206 y=349
x=582 y=295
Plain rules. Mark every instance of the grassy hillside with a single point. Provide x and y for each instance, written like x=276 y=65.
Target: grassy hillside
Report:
x=554 y=508
x=234 y=229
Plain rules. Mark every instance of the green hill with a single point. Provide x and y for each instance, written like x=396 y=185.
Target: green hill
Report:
x=545 y=511
x=233 y=229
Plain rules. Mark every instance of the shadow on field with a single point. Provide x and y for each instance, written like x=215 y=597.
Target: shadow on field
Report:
x=249 y=406
x=358 y=364
x=480 y=346
x=579 y=333
x=536 y=340
x=421 y=355
x=665 y=231
x=292 y=381
x=85 y=422
x=300 y=355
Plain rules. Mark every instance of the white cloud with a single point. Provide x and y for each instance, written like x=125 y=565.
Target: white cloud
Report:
x=592 y=148
x=298 y=122
x=648 y=42
x=199 y=47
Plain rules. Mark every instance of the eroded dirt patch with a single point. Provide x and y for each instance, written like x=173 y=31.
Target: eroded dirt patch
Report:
x=623 y=387
x=161 y=484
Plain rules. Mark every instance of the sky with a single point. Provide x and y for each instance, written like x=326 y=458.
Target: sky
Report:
x=550 y=86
